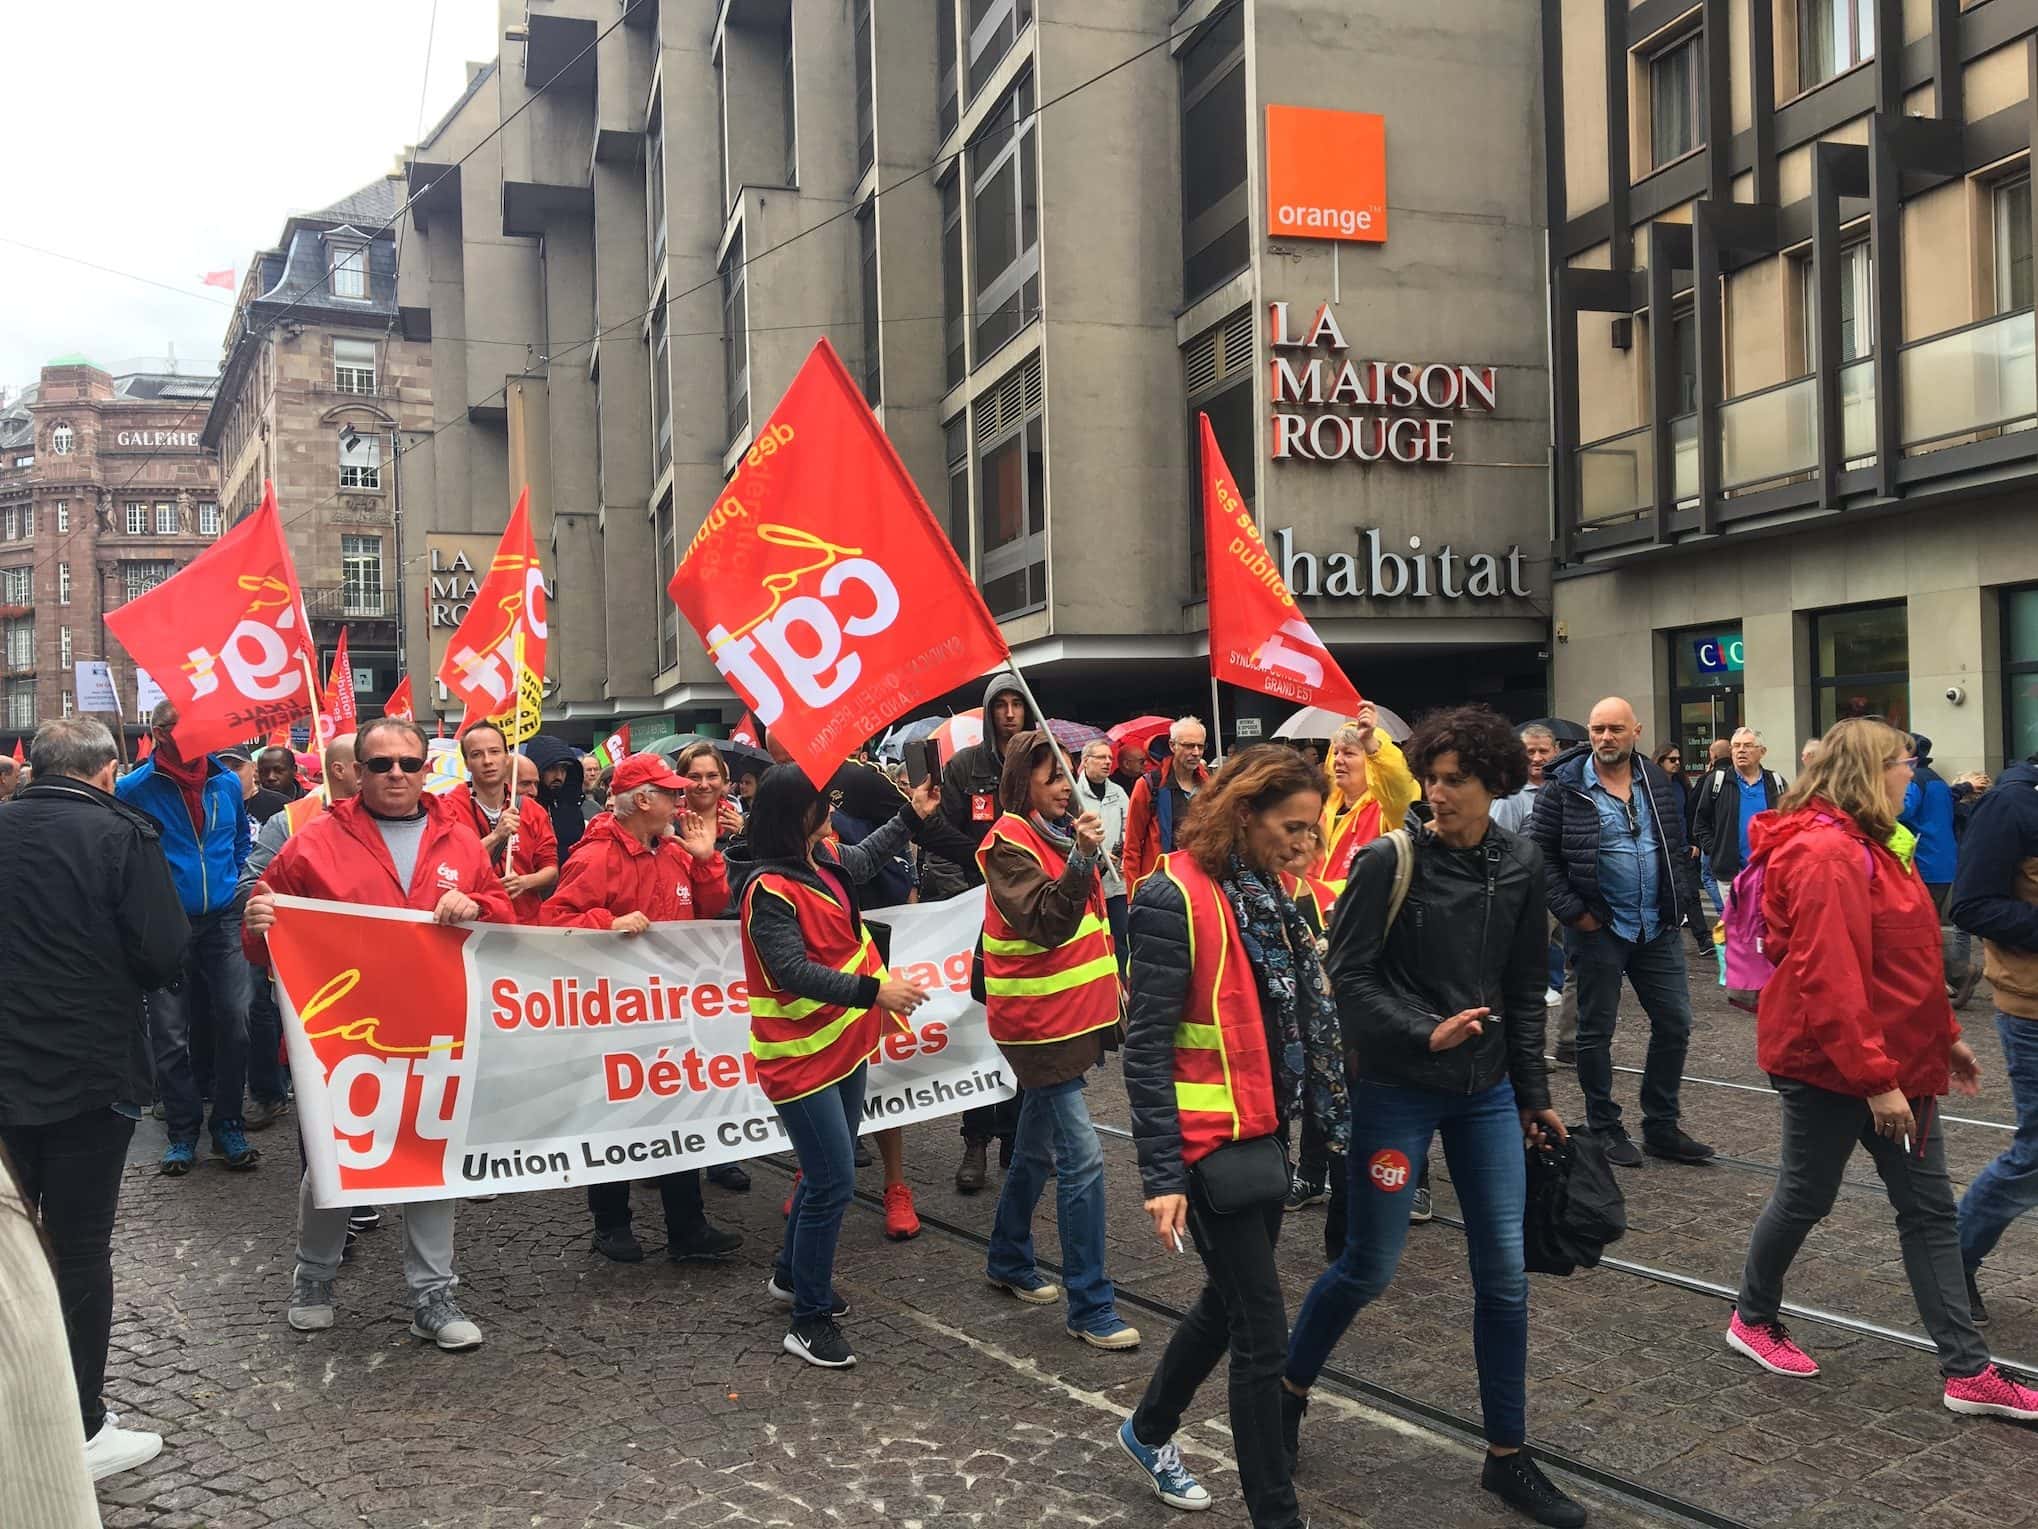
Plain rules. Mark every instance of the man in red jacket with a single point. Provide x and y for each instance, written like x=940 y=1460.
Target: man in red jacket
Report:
x=390 y=847
x=1160 y=802
x=628 y=872
x=529 y=870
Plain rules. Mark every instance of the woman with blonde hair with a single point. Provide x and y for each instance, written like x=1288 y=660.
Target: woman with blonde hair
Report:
x=1370 y=792
x=1857 y=1037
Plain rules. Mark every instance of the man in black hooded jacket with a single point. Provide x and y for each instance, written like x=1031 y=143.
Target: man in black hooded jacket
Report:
x=562 y=782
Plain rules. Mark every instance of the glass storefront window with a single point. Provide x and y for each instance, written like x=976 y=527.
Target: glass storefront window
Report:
x=1861 y=664
x=1705 y=689
x=2020 y=673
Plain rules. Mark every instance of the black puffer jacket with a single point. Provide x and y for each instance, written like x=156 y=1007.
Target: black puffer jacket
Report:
x=1158 y=933
x=1565 y=827
x=969 y=803
x=1472 y=935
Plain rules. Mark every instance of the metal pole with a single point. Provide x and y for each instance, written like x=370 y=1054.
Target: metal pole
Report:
x=1216 y=731
x=1039 y=716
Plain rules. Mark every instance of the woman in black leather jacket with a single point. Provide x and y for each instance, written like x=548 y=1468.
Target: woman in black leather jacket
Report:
x=1441 y=1003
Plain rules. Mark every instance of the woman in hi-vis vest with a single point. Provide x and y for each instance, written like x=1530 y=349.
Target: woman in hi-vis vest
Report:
x=1371 y=791
x=817 y=990
x=1232 y=1033
x=1051 y=999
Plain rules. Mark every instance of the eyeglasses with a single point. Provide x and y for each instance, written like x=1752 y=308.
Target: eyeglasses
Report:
x=382 y=764
x=1634 y=817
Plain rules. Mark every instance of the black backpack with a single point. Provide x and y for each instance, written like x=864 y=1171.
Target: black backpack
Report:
x=1575 y=1207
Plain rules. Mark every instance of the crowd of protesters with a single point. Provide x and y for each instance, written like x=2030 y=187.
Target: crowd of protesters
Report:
x=1342 y=957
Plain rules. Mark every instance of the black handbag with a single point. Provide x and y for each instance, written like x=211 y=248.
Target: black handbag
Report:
x=1243 y=1175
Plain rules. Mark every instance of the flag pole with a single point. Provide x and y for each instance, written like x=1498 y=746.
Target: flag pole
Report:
x=1216 y=727
x=1040 y=717
x=325 y=787
x=511 y=804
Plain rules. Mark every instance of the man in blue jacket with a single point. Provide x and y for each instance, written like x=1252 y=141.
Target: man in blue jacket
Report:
x=201 y=811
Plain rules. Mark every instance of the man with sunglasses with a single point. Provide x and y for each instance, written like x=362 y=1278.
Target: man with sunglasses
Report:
x=1621 y=878
x=390 y=847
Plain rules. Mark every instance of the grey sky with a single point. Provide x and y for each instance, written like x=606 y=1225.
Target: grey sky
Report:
x=172 y=140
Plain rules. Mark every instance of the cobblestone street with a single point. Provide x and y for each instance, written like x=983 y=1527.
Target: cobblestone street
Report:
x=612 y=1395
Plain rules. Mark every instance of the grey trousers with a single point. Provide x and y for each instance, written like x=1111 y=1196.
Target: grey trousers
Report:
x=1820 y=1130
x=427 y=1243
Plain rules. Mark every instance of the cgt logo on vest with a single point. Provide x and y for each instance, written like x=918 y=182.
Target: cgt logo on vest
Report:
x=1388 y=1170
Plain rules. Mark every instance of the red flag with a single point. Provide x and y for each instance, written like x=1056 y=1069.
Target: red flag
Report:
x=226 y=637
x=747 y=731
x=337 y=710
x=825 y=591
x=615 y=748
x=399 y=702
x=145 y=747
x=220 y=278
x=1258 y=639
x=19 y=757
x=481 y=668
x=279 y=738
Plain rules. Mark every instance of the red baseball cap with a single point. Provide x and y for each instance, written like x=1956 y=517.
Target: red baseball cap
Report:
x=644 y=770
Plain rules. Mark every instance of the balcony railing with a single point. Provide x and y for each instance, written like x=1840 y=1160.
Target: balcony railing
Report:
x=1971 y=379
x=1616 y=478
x=348 y=602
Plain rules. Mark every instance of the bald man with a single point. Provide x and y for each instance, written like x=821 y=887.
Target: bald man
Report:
x=1622 y=880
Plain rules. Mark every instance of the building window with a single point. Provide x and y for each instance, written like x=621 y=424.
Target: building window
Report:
x=361 y=462
x=1217 y=377
x=1705 y=689
x=28 y=520
x=64 y=647
x=663 y=533
x=1684 y=351
x=1216 y=221
x=20 y=646
x=994 y=25
x=65 y=697
x=10 y=524
x=1011 y=462
x=2011 y=201
x=1677 y=99
x=63 y=583
x=654 y=187
x=735 y=339
x=722 y=128
x=360 y=575
x=957 y=330
x=166 y=519
x=1857 y=305
x=62 y=439
x=1861 y=664
x=788 y=101
x=956 y=437
x=1832 y=37
x=661 y=392
x=350 y=270
x=1005 y=222
x=2020 y=672
x=354 y=366
x=208 y=520
x=944 y=48
x=866 y=113
x=25 y=461
x=21 y=704
x=63 y=516
x=866 y=239
x=137 y=579
x=137 y=519
x=17 y=586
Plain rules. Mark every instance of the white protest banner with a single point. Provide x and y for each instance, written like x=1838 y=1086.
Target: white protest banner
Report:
x=94 y=677
x=146 y=693
x=437 y=1061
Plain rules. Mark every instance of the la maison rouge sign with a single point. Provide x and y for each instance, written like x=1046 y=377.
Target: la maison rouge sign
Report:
x=1404 y=410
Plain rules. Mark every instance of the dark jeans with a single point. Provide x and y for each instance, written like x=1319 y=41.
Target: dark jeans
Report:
x=268 y=1079
x=1820 y=1130
x=1391 y=1131
x=681 y=1192
x=987 y=1120
x=1114 y=911
x=70 y=1176
x=823 y=1130
x=215 y=973
x=1240 y=1312
x=1655 y=969
x=2007 y=1187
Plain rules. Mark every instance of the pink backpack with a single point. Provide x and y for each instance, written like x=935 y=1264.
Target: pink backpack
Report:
x=1747 y=962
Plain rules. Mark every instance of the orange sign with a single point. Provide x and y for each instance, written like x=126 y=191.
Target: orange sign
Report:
x=1326 y=174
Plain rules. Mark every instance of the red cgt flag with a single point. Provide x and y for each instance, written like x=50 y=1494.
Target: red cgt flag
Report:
x=824 y=590
x=747 y=731
x=481 y=668
x=338 y=712
x=144 y=746
x=399 y=703
x=19 y=757
x=226 y=637
x=1258 y=639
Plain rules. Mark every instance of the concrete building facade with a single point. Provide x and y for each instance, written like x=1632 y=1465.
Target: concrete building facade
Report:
x=322 y=395
x=1794 y=368
x=105 y=491
x=1040 y=276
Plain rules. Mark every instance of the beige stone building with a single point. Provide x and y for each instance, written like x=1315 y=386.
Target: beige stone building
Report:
x=1793 y=366
x=1039 y=281
x=322 y=394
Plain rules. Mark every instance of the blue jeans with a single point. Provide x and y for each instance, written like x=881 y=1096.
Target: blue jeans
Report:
x=1391 y=1131
x=1655 y=968
x=268 y=1080
x=215 y=974
x=1054 y=1127
x=823 y=1131
x=2007 y=1187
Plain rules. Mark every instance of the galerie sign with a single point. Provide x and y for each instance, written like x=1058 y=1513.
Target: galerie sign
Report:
x=157 y=439
x=1409 y=405
x=433 y=1061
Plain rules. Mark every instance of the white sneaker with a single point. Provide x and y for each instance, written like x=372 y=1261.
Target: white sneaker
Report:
x=1552 y=996
x=119 y=1449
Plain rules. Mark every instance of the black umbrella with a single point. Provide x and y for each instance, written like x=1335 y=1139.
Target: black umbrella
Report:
x=1561 y=728
x=740 y=758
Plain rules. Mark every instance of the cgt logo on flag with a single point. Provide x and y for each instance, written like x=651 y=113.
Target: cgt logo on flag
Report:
x=503 y=638
x=255 y=655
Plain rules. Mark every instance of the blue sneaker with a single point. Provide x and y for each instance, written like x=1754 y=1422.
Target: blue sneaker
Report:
x=179 y=1158
x=1112 y=1332
x=1172 y=1483
x=1030 y=1287
x=231 y=1143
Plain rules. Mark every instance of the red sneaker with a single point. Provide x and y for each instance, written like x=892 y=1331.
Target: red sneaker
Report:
x=786 y=1210
x=1770 y=1346
x=1992 y=1394
x=901 y=1222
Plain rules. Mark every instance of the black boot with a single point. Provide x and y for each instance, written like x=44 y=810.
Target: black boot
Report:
x=969 y=1175
x=1519 y=1482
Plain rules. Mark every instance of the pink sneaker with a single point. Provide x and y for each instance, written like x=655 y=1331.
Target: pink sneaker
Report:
x=1770 y=1346
x=1992 y=1394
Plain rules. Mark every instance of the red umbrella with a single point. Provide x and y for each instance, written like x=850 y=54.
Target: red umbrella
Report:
x=1140 y=731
